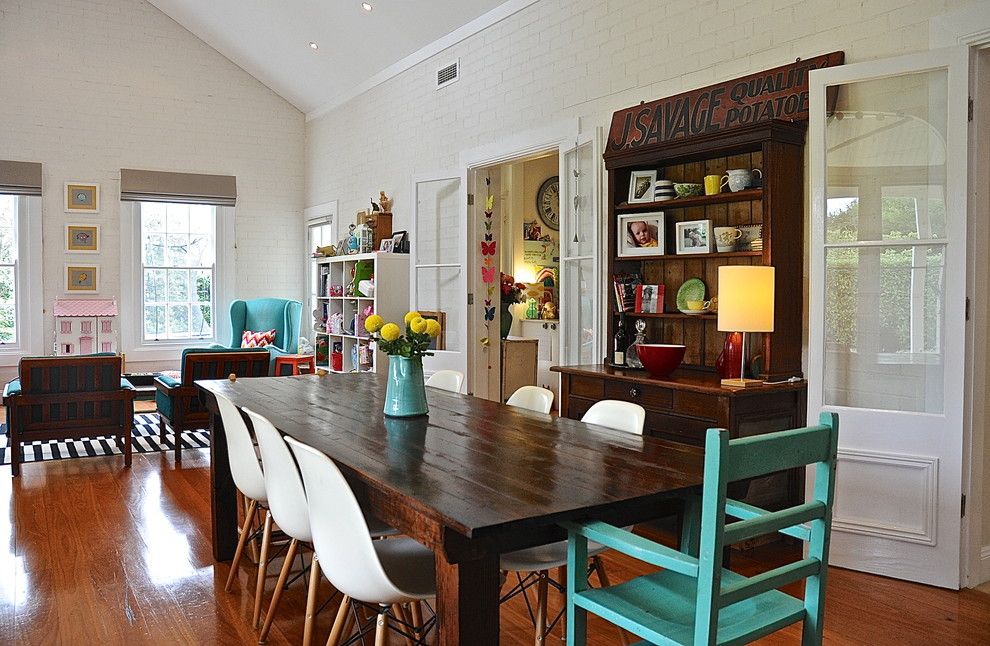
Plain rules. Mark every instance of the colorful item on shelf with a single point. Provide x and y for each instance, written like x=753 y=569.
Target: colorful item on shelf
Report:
x=353 y=244
x=649 y=299
x=363 y=270
x=532 y=309
x=693 y=289
x=336 y=290
x=549 y=312
x=685 y=189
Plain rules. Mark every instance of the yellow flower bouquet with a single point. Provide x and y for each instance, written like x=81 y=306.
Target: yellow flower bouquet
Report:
x=414 y=343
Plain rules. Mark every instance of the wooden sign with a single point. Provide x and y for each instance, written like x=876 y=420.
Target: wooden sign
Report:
x=778 y=93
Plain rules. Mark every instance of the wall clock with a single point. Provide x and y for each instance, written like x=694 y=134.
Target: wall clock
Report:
x=548 y=202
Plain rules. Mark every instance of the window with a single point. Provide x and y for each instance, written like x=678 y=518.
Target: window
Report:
x=318 y=234
x=8 y=269
x=178 y=270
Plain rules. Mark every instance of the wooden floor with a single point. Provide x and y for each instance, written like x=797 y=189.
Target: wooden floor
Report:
x=91 y=553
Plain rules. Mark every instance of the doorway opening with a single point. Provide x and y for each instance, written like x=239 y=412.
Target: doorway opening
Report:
x=514 y=239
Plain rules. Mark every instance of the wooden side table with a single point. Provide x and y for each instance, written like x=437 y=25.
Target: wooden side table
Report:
x=295 y=363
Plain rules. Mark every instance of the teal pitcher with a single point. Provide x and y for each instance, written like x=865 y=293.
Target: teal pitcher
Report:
x=405 y=394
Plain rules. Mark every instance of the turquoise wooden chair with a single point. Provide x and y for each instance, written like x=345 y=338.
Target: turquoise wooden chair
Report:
x=693 y=600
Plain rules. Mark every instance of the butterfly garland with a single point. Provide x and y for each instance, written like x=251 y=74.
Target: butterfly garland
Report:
x=489 y=273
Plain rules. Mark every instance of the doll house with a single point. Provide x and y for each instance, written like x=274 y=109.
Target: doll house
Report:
x=85 y=326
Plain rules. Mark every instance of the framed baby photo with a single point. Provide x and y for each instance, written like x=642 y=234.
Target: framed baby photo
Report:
x=82 y=238
x=640 y=234
x=641 y=186
x=81 y=197
x=694 y=236
x=82 y=279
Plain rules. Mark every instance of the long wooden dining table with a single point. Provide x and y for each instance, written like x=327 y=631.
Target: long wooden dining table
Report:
x=473 y=479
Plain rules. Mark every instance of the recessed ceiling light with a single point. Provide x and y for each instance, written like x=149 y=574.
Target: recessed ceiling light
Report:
x=313 y=46
x=366 y=6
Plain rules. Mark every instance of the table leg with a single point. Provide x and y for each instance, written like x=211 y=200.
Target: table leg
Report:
x=467 y=601
x=223 y=494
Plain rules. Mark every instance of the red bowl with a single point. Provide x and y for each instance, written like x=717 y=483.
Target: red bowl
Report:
x=660 y=359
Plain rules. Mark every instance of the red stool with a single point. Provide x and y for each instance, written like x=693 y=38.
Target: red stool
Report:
x=294 y=362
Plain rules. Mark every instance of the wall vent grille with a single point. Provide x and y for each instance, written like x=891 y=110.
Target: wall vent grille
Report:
x=448 y=74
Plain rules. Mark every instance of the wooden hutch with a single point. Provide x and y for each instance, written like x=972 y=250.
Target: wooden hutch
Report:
x=682 y=406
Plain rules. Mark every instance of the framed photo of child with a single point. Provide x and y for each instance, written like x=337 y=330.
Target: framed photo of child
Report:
x=694 y=236
x=640 y=234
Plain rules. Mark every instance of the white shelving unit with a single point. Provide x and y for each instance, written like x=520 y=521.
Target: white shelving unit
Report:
x=390 y=300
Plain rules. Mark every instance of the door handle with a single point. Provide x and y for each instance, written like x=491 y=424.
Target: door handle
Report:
x=634 y=392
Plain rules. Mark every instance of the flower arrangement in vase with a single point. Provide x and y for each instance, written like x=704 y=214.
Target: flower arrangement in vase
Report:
x=405 y=394
x=512 y=292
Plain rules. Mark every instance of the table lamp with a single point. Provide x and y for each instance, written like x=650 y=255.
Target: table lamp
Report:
x=745 y=304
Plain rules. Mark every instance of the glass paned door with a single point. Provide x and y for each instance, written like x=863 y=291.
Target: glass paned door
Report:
x=888 y=276
x=580 y=229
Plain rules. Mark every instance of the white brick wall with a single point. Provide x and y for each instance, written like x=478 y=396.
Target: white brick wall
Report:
x=88 y=87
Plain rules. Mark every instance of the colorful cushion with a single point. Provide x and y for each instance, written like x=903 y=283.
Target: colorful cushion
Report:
x=251 y=339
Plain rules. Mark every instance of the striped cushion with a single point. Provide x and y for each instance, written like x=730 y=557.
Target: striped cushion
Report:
x=251 y=339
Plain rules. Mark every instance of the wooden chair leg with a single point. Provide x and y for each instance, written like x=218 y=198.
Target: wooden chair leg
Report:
x=381 y=632
x=599 y=568
x=400 y=614
x=15 y=453
x=161 y=430
x=259 y=586
x=562 y=578
x=245 y=532
x=339 y=623
x=314 y=584
x=177 y=434
x=541 y=607
x=416 y=613
x=290 y=555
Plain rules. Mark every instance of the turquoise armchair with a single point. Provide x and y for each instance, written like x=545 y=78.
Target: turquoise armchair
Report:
x=261 y=314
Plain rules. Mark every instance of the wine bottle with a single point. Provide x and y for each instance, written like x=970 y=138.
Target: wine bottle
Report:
x=621 y=342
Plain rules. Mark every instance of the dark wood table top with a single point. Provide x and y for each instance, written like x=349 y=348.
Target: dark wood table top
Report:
x=476 y=467
x=700 y=381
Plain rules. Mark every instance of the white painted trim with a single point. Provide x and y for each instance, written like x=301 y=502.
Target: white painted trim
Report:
x=969 y=26
x=131 y=285
x=983 y=574
x=550 y=138
x=479 y=24
x=30 y=297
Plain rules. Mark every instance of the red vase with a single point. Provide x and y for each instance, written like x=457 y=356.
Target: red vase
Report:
x=729 y=362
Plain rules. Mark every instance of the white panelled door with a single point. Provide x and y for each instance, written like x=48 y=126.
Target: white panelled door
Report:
x=580 y=247
x=438 y=264
x=888 y=279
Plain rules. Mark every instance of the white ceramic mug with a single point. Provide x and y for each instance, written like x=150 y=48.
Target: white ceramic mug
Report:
x=725 y=238
x=739 y=178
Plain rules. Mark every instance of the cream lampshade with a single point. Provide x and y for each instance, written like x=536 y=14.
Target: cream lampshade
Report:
x=745 y=304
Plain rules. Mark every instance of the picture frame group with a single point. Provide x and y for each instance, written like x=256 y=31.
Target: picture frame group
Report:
x=640 y=234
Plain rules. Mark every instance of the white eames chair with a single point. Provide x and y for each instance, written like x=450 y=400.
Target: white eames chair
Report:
x=386 y=573
x=250 y=481
x=538 y=561
x=446 y=380
x=532 y=398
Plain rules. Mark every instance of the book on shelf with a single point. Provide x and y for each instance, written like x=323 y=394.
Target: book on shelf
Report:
x=625 y=291
x=649 y=299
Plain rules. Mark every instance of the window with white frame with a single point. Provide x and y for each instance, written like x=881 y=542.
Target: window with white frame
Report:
x=9 y=218
x=178 y=271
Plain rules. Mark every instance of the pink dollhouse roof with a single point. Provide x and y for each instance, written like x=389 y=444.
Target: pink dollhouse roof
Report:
x=85 y=307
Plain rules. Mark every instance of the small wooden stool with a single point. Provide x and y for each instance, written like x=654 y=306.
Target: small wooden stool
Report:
x=295 y=362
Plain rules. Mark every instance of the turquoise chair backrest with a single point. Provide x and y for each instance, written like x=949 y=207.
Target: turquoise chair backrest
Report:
x=731 y=460
x=260 y=314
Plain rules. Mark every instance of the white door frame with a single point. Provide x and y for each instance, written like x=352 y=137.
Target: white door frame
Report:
x=971 y=27
x=553 y=138
x=949 y=527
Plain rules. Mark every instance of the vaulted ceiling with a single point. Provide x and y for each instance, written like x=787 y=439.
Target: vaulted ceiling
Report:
x=270 y=39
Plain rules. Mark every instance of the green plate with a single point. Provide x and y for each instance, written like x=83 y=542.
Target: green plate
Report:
x=692 y=290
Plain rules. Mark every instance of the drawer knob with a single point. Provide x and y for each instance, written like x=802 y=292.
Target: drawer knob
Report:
x=634 y=392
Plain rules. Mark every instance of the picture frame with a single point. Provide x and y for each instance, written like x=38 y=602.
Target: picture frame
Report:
x=82 y=238
x=640 y=234
x=400 y=242
x=82 y=278
x=81 y=197
x=440 y=342
x=693 y=236
x=641 y=186
x=385 y=246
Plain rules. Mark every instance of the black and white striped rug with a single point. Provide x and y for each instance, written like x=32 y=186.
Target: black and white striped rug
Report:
x=144 y=440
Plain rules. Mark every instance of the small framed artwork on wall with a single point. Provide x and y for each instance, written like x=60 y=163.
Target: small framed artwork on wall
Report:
x=641 y=186
x=81 y=197
x=640 y=234
x=694 y=236
x=82 y=279
x=82 y=238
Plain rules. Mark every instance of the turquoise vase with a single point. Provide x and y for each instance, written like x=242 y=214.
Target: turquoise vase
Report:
x=405 y=394
x=505 y=319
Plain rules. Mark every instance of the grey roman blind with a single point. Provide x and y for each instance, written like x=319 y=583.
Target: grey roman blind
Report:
x=186 y=188
x=20 y=178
